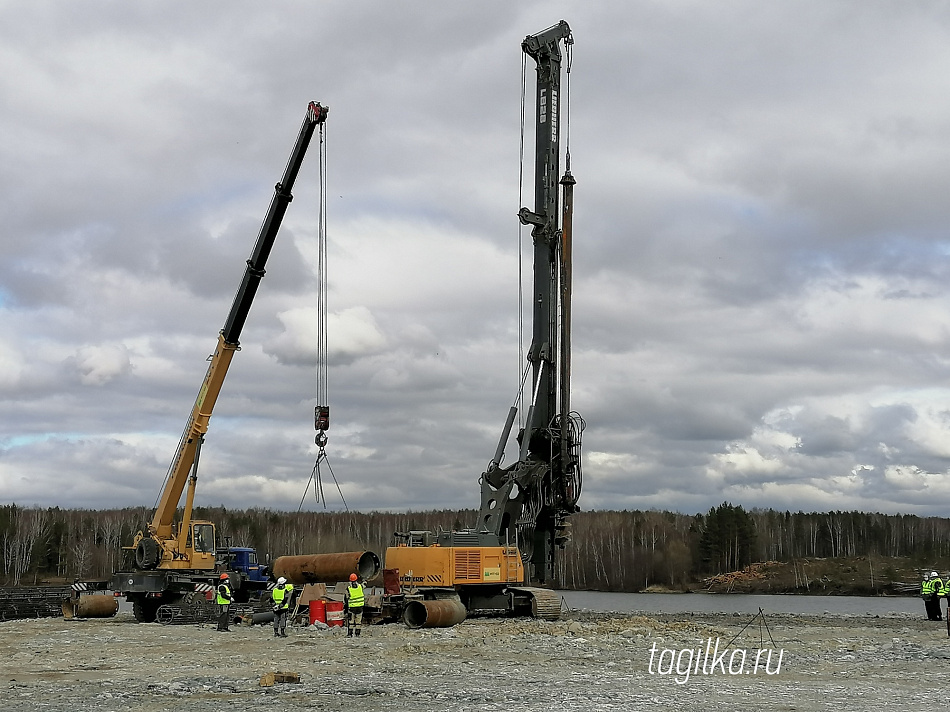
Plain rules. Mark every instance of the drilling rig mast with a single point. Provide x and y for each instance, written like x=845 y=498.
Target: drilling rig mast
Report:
x=529 y=501
x=522 y=521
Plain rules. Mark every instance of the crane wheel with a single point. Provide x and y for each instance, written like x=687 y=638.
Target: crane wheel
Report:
x=147 y=554
x=144 y=610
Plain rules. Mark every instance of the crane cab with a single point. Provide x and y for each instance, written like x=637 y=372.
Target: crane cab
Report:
x=193 y=547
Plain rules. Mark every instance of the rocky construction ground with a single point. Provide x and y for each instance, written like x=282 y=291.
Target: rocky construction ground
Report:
x=584 y=661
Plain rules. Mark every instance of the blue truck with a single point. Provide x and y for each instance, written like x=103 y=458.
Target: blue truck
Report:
x=242 y=559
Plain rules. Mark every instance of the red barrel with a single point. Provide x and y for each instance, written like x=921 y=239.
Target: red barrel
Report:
x=335 y=613
x=318 y=611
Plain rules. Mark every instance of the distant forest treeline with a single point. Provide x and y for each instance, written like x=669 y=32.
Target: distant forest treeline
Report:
x=610 y=551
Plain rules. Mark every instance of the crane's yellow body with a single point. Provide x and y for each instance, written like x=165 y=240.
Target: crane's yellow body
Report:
x=190 y=544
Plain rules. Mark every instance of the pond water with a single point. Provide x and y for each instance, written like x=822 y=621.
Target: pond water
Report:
x=599 y=601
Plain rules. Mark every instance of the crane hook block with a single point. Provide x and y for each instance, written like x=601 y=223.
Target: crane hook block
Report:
x=321 y=440
x=321 y=417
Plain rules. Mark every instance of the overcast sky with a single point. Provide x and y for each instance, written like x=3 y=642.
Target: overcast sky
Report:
x=762 y=278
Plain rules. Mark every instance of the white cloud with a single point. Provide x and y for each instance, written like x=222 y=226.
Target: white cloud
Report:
x=351 y=334
x=744 y=462
x=905 y=477
x=97 y=365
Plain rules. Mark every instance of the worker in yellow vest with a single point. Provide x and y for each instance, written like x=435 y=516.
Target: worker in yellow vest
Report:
x=931 y=590
x=282 y=594
x=941 y=590
x=223 y=597
x=353 y=600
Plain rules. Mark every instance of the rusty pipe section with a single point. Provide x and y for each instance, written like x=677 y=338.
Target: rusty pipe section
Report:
x=90 y=607
x=326 y=568
x=434 y=614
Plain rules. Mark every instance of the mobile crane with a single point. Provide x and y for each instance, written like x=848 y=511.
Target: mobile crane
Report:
x=174 y=561
x=522 y=521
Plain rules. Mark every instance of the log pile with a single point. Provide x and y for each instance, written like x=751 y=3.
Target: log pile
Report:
x=732 y=580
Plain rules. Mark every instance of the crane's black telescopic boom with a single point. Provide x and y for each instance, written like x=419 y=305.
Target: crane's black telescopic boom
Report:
x=228 y=339
x=316 y=114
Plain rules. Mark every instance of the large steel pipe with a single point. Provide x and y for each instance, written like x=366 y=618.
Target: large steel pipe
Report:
x=255 y=618
x=90 y=607
x=434 y=614
x=327 y=568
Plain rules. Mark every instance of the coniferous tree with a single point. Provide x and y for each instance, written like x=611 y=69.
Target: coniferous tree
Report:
x=727 y=539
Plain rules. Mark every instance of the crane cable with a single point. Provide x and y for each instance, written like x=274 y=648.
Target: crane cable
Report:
x=321 y=386
x=322 y=408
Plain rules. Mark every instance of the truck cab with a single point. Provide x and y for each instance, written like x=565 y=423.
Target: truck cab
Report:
x=244 y=560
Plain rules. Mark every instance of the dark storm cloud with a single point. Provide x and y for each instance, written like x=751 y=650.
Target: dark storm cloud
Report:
x=761 y=303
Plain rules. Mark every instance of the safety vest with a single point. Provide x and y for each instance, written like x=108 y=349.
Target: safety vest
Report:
x=356 y=597
x=937 y=586
x=281 y=595
x=224 y=594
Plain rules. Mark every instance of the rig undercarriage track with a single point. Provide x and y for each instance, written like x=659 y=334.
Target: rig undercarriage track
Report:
x=545 y=603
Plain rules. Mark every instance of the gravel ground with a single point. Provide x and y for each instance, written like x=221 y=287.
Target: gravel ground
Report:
x=585 y=661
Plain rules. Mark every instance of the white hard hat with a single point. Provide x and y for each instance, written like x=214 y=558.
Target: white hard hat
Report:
x=933 y=573
x=282 y=580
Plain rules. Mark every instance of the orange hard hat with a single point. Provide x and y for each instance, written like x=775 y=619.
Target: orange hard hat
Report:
x=352 y=577
x=223 y=576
